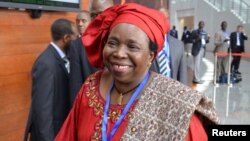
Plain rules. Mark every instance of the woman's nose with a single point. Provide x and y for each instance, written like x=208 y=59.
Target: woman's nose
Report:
x=121 y=52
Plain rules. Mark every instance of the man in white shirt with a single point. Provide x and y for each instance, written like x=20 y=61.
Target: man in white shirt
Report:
x=237 y=46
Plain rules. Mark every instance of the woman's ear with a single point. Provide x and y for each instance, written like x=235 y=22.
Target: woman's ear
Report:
x=152 y=56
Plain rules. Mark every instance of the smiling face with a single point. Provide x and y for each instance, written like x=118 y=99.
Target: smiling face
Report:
x=126 y=53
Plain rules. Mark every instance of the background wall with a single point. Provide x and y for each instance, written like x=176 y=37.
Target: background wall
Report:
x=22 y=39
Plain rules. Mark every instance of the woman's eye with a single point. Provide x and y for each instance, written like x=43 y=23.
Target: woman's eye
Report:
x=112 y=43
x=134 y=47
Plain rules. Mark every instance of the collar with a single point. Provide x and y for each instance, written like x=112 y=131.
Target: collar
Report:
x=58 y=50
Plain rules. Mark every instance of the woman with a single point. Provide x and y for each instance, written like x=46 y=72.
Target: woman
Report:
x=127 y=101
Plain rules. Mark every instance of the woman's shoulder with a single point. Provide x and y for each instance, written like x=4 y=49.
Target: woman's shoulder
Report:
x=93 y=78
x=91 y=84
x=168 y=89
x=163 y=84
x=97 y=81
x=89 y=89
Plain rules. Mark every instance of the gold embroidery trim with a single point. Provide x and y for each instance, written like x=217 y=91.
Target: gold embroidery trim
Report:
x=94 y=102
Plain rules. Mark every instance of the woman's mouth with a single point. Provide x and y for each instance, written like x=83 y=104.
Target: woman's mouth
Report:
x=120 y=69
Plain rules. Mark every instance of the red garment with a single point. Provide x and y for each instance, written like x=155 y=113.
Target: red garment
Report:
x=151 y=21
x=85 y=119
x=196 y=131
x=149 y=3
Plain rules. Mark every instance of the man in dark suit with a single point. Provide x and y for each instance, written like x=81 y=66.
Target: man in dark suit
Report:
x=200 y=38
x=186 y=39
x=174 y=56
x=50 y=103
x=80 y=67
x=173 y=32
x=177 y=64
x=237 y=46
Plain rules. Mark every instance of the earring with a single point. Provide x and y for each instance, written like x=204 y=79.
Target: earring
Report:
x=149 y=65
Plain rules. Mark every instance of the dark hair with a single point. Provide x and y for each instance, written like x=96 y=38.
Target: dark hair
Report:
x=153 y=46
x=240 y=26
x=223 y=22
x=201 y=22
x=60 y=28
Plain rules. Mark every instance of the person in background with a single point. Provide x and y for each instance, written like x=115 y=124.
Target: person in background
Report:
x=186 y=39
x=80 y=66
x=237 y=39
x=200 y=38
x=173 y=32
x=222 y=43
x=50 y=102
x=171 y=60
x=126 y=101
x=98 y=6
x=82 y=21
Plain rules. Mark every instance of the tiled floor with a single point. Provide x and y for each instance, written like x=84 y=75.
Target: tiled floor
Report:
x=232 y=102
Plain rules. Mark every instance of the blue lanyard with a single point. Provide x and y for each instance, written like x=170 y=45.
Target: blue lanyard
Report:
x=124 y=112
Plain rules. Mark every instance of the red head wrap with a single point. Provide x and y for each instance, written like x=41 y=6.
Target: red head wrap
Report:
x=151 y=21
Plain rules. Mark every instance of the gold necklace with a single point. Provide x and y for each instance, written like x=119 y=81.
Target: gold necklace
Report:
x=121 y=94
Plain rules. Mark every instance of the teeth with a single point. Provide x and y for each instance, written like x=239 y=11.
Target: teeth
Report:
x=121 y=67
